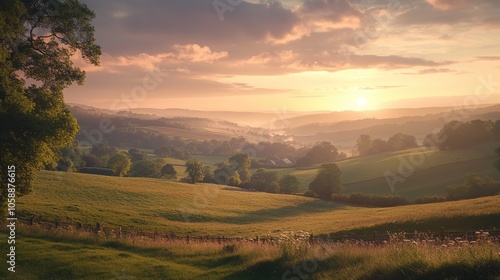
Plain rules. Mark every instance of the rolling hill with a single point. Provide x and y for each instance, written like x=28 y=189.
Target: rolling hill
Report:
x=437 y=170
x=204 y=209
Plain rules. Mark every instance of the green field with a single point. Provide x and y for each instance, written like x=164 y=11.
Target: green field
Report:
x=437 y=170
x=204 y=209
x=55 y=255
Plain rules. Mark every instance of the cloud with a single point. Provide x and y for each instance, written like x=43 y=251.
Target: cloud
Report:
x=435 y=71
x=489 y=58
x=449 y=4
x=326 y=15
x=392 y=61
x=472 y=12
x=196 y=53
x=154 y=25
x=432 y=71
x=180 y=55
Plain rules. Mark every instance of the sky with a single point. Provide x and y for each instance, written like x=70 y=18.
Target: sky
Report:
x=297 y=55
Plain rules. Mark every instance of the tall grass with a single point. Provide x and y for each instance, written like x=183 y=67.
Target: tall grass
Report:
x=59 y=254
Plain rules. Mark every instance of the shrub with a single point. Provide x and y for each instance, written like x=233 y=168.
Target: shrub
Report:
x=473 y=186
x=229 y=248
x=147 y=168
x=429 y=199
x=97 y=171
x=371 y=200
x=289 y=184
x=168 y=171
x=309 y=193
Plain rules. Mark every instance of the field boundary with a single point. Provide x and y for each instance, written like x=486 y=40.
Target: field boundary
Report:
x=442 y=237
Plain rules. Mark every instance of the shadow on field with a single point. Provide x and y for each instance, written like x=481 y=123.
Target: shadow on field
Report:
x=299 y=269
x=429 y=181
x=263 y=271
x=484 y=270
x=456 y=223
x=263 y=215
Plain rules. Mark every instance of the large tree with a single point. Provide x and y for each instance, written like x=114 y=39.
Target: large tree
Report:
x=289 y=184
x=241 y=163
x=327 y=181
x=120 y=163
x=363 y=145
x=38 y=39
x=194 y=169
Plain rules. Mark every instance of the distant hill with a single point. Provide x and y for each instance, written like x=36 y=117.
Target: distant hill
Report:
x=345 y=133
x=340 y=128
x=334 y=117
x=255 y=119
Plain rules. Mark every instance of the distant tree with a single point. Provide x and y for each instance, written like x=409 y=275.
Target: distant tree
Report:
x=289 y=184
x=120 y=163
x=70 y=160
x=379 y=146
x=102 y=150
x=273 y=187
x=234 y=179
x=396 y=142
x=304 y=161
x=460 y=135
x=342 y=156
x=209 y=174
x=181 y=153
x=136 y=155
x=194 y=169
x=309 y=193
x=473 y=186
x=241 y=163
x=364 y=145
x=265 y=181
x=323 y=152
x=222 y=173
x=147 y=168
x=163 y=152
x=92 y=160
x=327 y=181
x=496 y=129
x=497 y=161
x=168 y=171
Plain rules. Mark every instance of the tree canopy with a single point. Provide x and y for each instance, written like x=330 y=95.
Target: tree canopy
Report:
x=327 y=181
x=194 y=169
x=38 y=39
x=120 y=163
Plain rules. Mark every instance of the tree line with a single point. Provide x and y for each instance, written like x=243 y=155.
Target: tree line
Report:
x=365 y=145
x=458 y=134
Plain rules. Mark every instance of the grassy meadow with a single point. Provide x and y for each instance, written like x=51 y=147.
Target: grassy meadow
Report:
x=437 y=170
x=205 y=209
x=54 y=255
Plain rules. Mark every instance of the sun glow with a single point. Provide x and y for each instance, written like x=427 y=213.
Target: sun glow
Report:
x=361 y=101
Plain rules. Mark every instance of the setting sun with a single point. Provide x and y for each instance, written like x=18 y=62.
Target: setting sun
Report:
x=361 y=101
